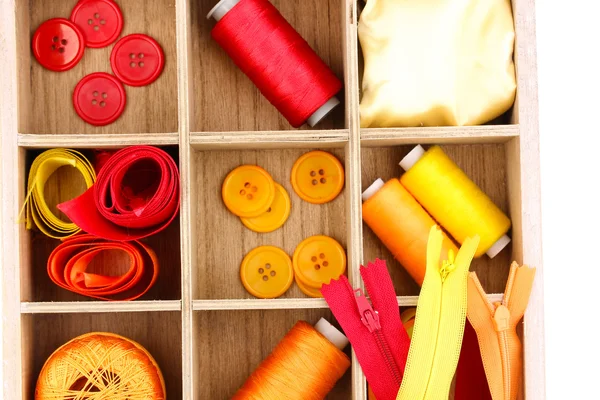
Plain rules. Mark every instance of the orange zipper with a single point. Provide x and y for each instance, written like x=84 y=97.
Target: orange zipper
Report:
x=495 y=325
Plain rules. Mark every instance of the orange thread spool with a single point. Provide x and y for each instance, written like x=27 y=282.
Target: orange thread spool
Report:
x=100 y=365
x=305 y=365
x=401 y=224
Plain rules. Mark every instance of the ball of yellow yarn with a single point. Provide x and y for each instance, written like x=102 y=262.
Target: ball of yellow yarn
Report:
x=100 y=365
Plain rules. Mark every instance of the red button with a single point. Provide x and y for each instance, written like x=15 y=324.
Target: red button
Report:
x=58 y=44
x=137 y=60
x=99 y=98
x=101 y=21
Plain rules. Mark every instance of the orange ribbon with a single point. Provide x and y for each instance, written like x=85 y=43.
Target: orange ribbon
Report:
x=68 y=264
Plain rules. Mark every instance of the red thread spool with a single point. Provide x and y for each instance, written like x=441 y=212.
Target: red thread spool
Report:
x=277 y=59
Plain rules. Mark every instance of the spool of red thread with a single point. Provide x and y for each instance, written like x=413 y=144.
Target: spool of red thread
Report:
x=276 y=59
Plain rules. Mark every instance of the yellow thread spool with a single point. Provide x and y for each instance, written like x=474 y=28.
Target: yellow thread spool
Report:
x=454 y=200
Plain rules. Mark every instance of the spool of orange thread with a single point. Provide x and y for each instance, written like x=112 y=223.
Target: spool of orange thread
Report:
x=100 y=365
x=454 y=200
x=305 y=365
x=401 y=224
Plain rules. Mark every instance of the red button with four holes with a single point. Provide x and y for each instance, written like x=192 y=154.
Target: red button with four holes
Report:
x=101 y=21
x=58 y=44
x=137 y=60
x=99 y=98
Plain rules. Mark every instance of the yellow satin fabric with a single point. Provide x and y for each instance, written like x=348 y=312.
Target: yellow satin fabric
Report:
x=43 y=167
x=439 y=322
x=436 y=62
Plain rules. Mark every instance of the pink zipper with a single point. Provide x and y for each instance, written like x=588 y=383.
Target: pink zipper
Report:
x=376 y=332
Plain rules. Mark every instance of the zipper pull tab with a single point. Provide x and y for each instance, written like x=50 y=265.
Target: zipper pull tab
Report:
x=368 y=316
x=501 y=318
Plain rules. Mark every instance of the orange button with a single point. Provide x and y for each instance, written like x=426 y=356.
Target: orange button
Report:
x=248 y=191
x=267 y=272
x=318 y=260
x=275 y=216
x=318 y=177
x=307 y=290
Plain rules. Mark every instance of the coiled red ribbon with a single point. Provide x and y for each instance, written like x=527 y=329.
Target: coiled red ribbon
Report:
x=277 y=59
x=68 y=263
x=136 y=195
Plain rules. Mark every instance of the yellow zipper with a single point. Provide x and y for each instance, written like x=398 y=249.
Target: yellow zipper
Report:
x=439 y=322
x=495 y=325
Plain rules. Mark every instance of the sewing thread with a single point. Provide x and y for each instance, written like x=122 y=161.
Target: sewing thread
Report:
x=276 y=59
x=454 y=200
x=303 y=366
x=100 y=365
x=402 y=225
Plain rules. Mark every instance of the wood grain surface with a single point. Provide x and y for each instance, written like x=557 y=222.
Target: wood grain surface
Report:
x=65 y=184
x=224 y=99
x=484 y=164
x=158 y=332
x=151 y=108
x=231 y=344
x=219 y=120
x=223 y=241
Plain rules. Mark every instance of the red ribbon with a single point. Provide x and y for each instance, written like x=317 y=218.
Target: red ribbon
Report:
x=100 y=158
x=68 y=263
x=136 y=195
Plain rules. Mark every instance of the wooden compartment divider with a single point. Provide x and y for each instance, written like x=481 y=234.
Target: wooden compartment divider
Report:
x=181 y=325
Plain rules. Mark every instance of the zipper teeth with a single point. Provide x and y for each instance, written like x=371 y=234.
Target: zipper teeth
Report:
x=437 y=338
x=382 y=344
x=506 y=365
x=503 y=343
x=385 y=350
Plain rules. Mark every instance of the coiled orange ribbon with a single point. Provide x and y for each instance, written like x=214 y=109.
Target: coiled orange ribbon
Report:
x=136 y=195
x=68 y=263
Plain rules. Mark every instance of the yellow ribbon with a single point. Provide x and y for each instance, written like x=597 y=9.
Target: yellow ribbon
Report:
x=37 y=210
x=439 y=322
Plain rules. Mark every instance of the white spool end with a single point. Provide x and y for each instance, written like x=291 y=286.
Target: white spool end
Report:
x=498 y=246
x=222 y=8
x=323 y=111
x=336 y=337
x=412 y=157
x=371 y=190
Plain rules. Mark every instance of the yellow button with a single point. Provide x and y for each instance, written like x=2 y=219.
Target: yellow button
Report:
x=318 y=177
x=267 y=272
x=318 y=260
x=275 y=216
x=248 y=191
x=307 y=290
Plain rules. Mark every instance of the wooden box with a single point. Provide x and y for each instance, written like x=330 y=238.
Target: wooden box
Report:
x=202 y=327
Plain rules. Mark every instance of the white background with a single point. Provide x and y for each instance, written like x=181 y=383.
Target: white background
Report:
x=569 y=70
x=569 y=88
